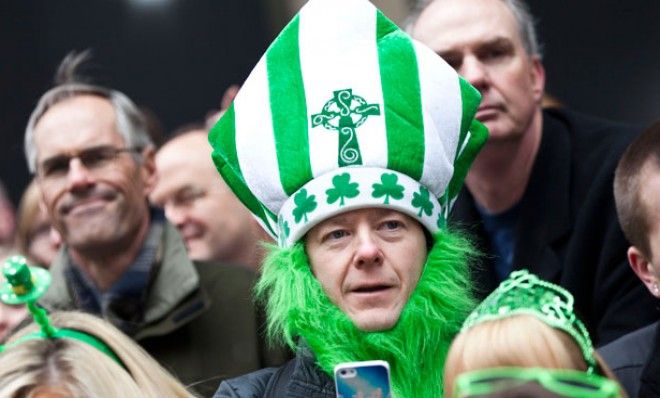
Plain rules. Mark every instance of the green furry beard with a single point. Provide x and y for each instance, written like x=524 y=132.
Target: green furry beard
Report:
x=415 y=348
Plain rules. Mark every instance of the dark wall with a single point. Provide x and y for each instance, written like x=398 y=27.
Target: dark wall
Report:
x=601 y=57
x=176 y=60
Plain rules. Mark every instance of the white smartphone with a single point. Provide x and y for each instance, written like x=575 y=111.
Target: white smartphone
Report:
x=367 y=379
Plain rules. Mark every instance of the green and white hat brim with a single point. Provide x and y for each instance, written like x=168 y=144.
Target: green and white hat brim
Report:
x=342 y=87
x=352 y=188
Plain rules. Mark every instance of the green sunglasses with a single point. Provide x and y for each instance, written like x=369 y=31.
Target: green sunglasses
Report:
x=520 y=382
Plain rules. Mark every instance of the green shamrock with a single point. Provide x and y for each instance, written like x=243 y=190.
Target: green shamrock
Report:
x=441 y=221
x=304 y=205
x=422 y=201
x=342 y=188
x=284 y=230
x=388 y=188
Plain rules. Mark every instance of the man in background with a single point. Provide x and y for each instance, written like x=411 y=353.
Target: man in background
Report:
x=635 y=357
x=214 y=224
x=539 y=194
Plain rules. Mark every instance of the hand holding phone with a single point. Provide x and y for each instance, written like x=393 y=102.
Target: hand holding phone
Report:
x=367 y=379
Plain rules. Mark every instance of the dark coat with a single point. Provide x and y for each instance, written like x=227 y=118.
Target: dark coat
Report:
x=298 y=378
x=628 y=355
x=200 y=322
x=567 y=230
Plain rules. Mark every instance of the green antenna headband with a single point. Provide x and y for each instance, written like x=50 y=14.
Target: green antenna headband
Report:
x=24 y=285
x=525 y=293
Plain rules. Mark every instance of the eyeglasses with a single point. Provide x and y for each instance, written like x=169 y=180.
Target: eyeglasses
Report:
x=556 y=382
x=94 y=158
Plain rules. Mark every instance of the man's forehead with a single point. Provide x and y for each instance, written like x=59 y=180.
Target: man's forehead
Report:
x=447 y=25
x=76 y=123
x=183 y=146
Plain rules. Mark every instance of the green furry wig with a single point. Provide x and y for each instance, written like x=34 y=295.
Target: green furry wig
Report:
x=415 y=347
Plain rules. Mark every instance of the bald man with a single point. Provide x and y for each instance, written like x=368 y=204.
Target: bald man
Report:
x=214 y=224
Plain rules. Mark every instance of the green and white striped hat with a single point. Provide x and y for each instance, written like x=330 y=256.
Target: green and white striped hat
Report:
x=346 y=111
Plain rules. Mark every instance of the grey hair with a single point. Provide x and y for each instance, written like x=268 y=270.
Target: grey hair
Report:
x=520 y=10
x=130 y=120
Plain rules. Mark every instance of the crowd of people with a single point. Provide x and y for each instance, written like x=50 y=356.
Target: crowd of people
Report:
x=367 y=194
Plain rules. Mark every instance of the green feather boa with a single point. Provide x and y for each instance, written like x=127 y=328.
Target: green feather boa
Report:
x=415 y=347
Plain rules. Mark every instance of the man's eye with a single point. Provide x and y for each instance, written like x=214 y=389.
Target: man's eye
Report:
x=56 y=167
x=96 y=158
x=392 y=224
x=493 y=54
x=454 y=62
x=335 y=235
x=188 y=197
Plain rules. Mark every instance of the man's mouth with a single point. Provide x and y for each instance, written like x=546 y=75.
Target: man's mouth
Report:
x=371 y=288
x=86 y=206
x=487 y=112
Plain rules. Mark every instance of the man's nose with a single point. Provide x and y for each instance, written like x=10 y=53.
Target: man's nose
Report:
x=475 y=72
x=79 y=176
x=368 y=250
x=175 y=214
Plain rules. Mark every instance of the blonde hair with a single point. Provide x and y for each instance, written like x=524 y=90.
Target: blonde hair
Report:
x=28 y=217
x=81 y=370
x=515 y=341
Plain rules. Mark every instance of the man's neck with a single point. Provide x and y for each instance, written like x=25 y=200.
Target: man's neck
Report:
x=500 y=173
x=105 y=267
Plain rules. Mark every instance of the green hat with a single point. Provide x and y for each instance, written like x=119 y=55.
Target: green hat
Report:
x=346 y=111
x=22 y=284
x=525 y=293
x=25 y=285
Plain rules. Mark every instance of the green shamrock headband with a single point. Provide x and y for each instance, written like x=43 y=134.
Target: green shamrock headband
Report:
x=525 y=293
x=24 y=285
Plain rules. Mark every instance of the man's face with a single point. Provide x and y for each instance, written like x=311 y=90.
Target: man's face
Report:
x=95 y=202
x=481 y=40
x=369 y=262
x=214 y=224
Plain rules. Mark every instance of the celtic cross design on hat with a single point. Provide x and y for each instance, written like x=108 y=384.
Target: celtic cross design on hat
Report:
x=352 y=111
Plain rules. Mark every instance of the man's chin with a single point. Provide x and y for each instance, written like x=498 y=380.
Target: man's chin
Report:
x=374 y=322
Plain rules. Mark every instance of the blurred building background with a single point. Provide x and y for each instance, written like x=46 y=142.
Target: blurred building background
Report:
x=176 y=57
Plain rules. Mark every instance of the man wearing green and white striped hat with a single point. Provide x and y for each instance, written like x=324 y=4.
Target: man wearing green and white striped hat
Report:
x=349 y=142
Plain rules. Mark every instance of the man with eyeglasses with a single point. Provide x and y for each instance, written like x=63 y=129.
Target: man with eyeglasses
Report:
x=121 y=260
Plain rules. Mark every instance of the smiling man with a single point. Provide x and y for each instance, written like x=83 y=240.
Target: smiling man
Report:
x=363 y=141
x=121 y=260
x=539 y=195
x=214 y=224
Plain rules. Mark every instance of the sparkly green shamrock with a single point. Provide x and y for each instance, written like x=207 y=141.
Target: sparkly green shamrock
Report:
x=388 y=188
x=342 y=188
x=304 y=204
x=422 y=201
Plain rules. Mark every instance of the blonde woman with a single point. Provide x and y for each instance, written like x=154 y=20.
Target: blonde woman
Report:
x=35 y=238
x=524 y=323
x=71 y=354
x=73 y=368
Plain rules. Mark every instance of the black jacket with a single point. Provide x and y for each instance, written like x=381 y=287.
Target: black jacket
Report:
x=298 y=378
x=628 y=355
x=567 y=231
